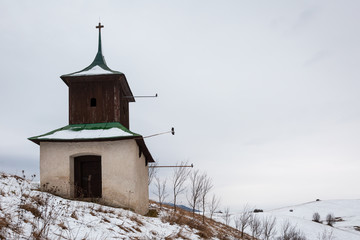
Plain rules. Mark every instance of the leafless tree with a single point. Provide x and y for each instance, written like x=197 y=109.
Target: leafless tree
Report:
x=178 y=179
x=243 y=219
x=255 y=226
x=268 y=228
x=214 y=205
x=206 y=187
x=330 y=219
x=227 y=216
x=160 y=190
x=152 y=172
x=316 y=217
x=326 y=235
x=196 y=187
x=289 y=232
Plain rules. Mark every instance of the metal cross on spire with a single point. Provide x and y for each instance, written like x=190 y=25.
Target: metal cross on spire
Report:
x=99 y=27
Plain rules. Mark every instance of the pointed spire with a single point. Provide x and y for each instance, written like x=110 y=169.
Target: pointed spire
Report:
x=99 y=27
x=99 y=58
x=98 y=66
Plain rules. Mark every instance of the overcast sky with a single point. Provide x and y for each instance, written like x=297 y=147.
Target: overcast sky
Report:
x=263 y=95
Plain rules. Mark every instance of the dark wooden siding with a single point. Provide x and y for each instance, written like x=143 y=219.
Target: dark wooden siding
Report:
x=110 y=104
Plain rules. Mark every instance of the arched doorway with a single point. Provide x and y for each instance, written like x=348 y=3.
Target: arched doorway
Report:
x=87 y=176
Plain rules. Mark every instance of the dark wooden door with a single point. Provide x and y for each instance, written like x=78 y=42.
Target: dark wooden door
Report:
x=88 y=176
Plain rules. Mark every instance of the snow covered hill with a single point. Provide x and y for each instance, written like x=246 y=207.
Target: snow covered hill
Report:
x=26 y=213
x=347 y=213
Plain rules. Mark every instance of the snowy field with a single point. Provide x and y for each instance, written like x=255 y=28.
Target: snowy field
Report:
x=301 y=217
x=26 y=213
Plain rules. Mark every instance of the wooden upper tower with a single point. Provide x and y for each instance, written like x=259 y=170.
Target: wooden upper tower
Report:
x=98 y=94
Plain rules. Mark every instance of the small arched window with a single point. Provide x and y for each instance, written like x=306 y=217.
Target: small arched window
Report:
x=93 y=102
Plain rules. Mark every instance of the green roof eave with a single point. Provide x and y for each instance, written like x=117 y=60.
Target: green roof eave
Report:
x=93 y=132
x=90 y=131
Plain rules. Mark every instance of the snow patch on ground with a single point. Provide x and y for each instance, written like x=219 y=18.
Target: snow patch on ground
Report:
x=26 y=213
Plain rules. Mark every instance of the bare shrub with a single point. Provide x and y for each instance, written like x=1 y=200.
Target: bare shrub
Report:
x=243 y=220
x=326 y=235
x=316 y=217
x=255 y=227
x=289 y=232
x=330 y=219
x=227 y=216
x=268 y=228
x=214 y=205
x=50 y=212
x=206 y=187
x=179 y=177
x=160 y=190
x=152 y=172
x=196 y=186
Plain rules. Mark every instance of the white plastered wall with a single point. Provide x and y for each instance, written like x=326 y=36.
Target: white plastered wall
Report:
x=124 y=174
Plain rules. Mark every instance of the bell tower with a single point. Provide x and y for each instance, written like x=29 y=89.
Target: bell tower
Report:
x=96 y=155
x=98 y=94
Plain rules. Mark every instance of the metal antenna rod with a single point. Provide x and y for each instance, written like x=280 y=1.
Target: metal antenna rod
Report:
x=172 y=166
x=156 y=95
x=172 y=131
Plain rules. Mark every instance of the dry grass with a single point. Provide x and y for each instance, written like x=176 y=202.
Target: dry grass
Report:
x=62 y=226
x=30 y=208
x=135 y=218
x=209 y=229
x=38 y=200
x=125 y=229
x=137 y=229
x=42 y=207
x=152 y=213
x=74 y=216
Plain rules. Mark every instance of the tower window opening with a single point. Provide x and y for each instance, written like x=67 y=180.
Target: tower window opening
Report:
x=93 y=102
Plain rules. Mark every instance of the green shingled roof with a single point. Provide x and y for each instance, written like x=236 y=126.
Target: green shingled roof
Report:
x=93 y=131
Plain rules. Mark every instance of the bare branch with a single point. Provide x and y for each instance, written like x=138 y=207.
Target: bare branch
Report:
x=178 y=179
x=196 y=187
x=206 y=187
x=243 y=219
x=152 y=172
x=290 y=232
x=214 y=205
x=227 y=216
x=268 y=228
x=160 y=190
x=255 y=226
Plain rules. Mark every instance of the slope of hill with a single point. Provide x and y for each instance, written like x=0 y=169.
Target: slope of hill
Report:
x=347 y=213
x=26 y=213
